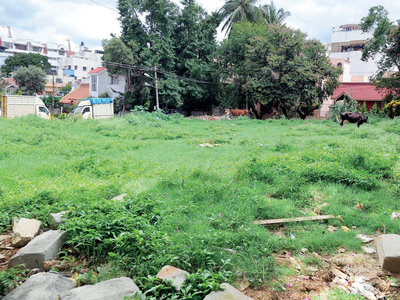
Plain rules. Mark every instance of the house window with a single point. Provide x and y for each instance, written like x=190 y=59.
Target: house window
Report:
x=339 y=65
x=69 y=67
x=113 y=80
x=76 y=67
x=84 y=68
x=20 y=47
x=92 y=68
x=37 y=49
x=8 y=45
x=94 y=83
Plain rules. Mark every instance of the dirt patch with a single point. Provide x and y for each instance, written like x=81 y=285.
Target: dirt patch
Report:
x=342 y=270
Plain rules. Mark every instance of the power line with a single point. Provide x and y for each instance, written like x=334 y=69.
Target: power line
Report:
x=104 y=6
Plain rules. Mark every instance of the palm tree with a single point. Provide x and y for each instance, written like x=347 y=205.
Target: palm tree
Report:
x=272 y=15
x=240 y=11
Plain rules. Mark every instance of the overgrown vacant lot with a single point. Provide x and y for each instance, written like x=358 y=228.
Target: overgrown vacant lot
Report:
x=192 y=207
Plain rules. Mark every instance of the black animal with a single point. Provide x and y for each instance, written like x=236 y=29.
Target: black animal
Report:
x=353 y=117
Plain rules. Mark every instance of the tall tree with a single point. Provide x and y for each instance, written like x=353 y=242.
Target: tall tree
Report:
x=25 y=60
x=234 y=11
x=279 y=67
x=274 y=15
x=195 y=44
x=30 y=80
x=385 y=47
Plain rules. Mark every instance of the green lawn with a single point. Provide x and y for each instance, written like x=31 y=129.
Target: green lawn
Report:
x=193 y=207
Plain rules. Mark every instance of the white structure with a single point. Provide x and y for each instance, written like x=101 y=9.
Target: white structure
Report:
x=67 y=66
x=101 y=82
x=347 y=44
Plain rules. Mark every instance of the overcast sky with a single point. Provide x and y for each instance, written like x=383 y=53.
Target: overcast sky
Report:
x=90 y=21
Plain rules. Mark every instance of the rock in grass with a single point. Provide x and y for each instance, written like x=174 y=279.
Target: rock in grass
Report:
x=42 y=248
x=119 y=198
x=57 y=219
x=388 y=247
x=24 y=230
x=177 y=276
x=114 y=289
x=41 y=286
x=229 y=293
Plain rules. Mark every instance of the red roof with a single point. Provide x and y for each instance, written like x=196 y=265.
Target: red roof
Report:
x=79 y=93
x=97 y=70
x=361 y=92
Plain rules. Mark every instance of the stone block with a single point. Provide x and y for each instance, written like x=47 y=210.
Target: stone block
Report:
x=229 y=293
x=119 y=197
x=388 y=248
x=177 y=276
x=115 y=289
x=42 y=248
x=24 y=230
x=41 y=286
x=57 y=219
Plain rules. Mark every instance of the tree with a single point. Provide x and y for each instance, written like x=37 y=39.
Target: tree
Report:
x=25 y=60
x=279 y=67
x=31 y=80
x=66 y=89
x=274 y=15
x=385 y=46
x=234 y=11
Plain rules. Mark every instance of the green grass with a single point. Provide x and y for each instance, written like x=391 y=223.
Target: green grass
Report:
x=192 y=207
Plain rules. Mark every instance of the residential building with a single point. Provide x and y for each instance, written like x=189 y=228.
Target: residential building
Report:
x=101 y=82
x=347 y=43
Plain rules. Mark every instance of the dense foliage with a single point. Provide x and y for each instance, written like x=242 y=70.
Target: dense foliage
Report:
x=179 y=42
x=385 y=45
x=24 y=60
x=278 y=67
x=30 y=80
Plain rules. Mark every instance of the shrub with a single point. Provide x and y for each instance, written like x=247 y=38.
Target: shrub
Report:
x=393 y=108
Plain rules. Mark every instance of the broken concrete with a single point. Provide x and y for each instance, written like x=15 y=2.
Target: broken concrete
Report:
x=2 y=258
x=4 y=237
x=177 y=276
x=24 y=230
x=115 y=289
x=42 y=248
x=229 y=293
x=41 y=286
x=119 y=198
x=57 y=219
x=388 y=248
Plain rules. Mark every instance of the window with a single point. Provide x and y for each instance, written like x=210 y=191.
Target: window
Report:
x=37 y=49
x=92 y=68
x=69 y=67
x=76 y=67
x=8 y=45
x=339 y=65
x=87 y=109
x=84 y=68
x=94 y=83
x=113 y=80
x=20 y=47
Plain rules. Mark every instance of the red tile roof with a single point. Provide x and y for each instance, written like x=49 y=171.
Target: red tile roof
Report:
x=97 y=70
x=361 y=92
x=77 y=94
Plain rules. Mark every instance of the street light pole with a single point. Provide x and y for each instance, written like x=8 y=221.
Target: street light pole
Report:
x=155 y=76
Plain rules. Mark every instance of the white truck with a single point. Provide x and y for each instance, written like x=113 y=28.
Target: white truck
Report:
x=19 y=105
x=95 y=108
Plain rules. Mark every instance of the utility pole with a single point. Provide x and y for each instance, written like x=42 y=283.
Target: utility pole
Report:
x=155 y=77
x=52 y=101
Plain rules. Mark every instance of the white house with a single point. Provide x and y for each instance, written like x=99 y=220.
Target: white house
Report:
x=101 y=82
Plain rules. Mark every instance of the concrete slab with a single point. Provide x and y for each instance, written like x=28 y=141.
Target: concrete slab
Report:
x=24 y=230
x=115 y=289
x=177 y=276
x=388 y=248
x=229 y=293
x=42 y=248
x=41 y=286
